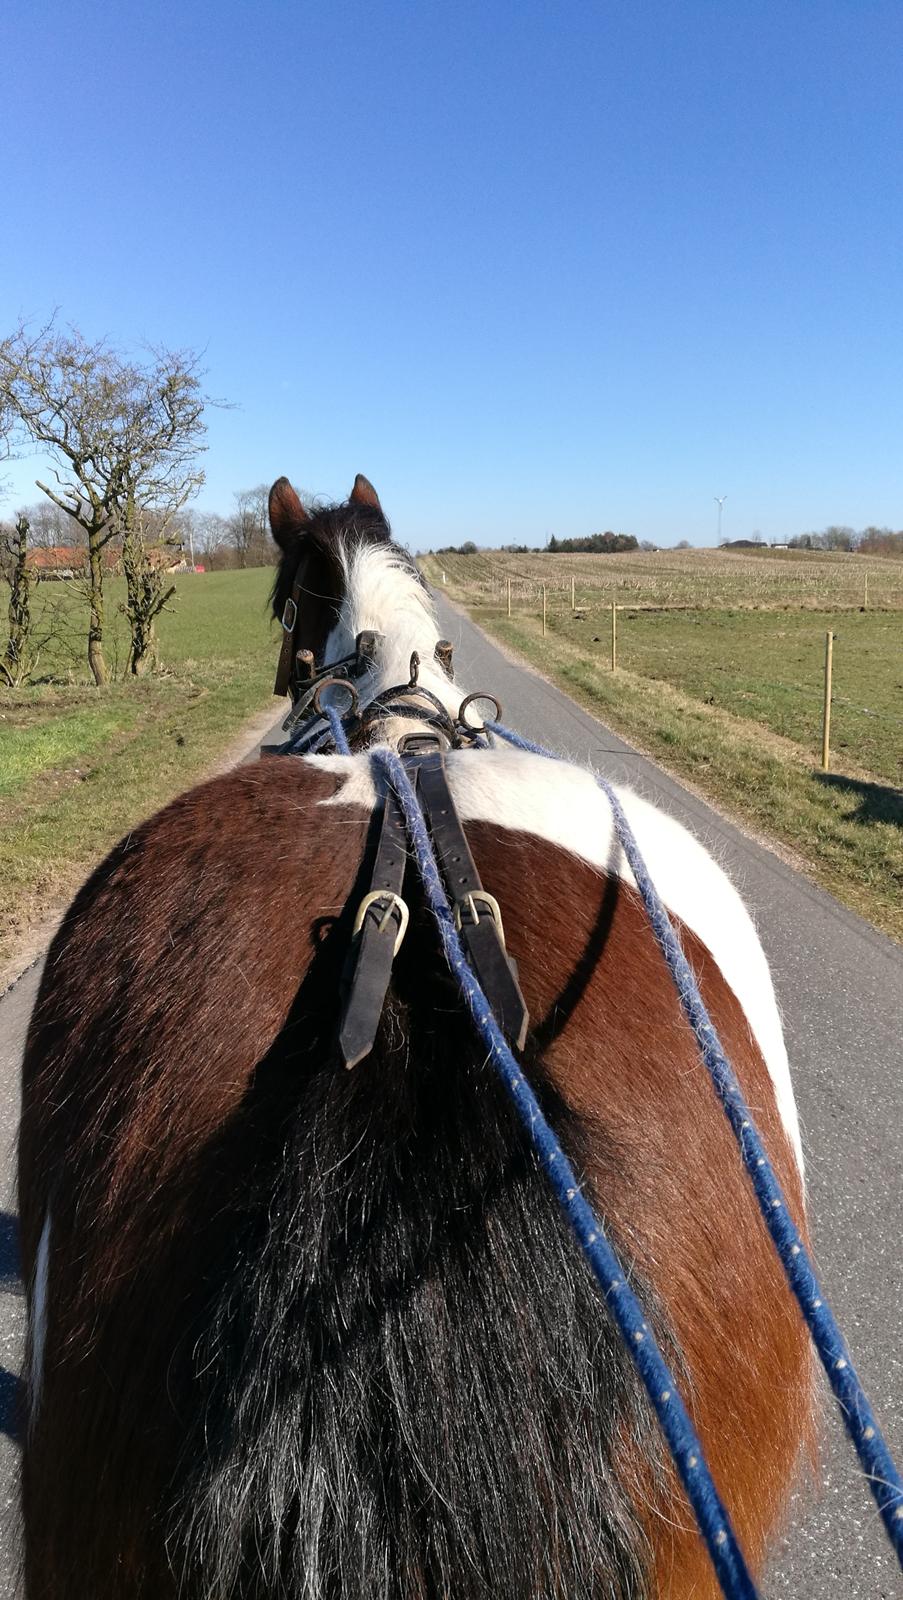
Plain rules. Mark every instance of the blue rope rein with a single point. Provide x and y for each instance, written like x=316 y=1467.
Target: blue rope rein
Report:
x=714 y=1523
x=883 y=1477
x=337 y=727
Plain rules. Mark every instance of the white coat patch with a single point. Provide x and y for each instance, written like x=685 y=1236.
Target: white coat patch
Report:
x=564 y=805
x=557 y=802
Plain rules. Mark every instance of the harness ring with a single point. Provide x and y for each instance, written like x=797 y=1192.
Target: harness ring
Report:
x=468 y=700
x=336 y=683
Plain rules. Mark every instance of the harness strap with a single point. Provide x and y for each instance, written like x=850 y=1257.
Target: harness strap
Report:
x=382 y=919
x=382 y=915
x=476 y=913
x=286 y=652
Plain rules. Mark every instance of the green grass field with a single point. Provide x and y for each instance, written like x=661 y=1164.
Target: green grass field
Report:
x=731 y=697
x=80 y=766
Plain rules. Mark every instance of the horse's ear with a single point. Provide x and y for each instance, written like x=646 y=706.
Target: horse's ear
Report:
x=364 y=494
x=287 y=514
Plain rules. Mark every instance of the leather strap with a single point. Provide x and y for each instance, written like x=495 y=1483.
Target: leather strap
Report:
x=382 y=915
x=287 y=650
x=476 y=912
x=373 y=949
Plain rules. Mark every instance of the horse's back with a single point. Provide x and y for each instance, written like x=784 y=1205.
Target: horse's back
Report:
x=315 y=1333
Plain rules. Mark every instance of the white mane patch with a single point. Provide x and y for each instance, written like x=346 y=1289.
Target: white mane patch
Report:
x=382 y=594
x=564 y=805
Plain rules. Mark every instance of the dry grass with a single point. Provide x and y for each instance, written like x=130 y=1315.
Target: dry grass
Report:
x=730 y=697
x=698 y=579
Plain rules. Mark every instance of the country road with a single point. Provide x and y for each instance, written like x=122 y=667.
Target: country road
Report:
x=840 y=987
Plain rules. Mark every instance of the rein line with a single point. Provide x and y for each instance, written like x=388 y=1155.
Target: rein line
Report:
x=713 y=1521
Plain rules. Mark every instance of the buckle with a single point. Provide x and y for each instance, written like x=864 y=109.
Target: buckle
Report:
x=289 y=626
x=394 y=903
x=469 y=903
x=419 y=744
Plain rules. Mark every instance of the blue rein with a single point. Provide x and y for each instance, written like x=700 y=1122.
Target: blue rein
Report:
x=714 y=1524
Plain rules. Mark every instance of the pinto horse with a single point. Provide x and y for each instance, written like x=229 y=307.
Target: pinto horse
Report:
x=303 y=1332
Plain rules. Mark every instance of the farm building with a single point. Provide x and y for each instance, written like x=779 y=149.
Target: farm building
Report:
x=69 y=560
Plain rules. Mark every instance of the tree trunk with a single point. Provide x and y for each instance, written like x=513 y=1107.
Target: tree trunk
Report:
x=145 y=597
x=14 y=665
x=95 y=604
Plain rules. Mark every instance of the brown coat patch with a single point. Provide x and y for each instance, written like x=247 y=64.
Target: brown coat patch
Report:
x=169 y=982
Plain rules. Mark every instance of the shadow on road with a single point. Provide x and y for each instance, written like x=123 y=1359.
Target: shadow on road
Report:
x=10 y=1281
x=878 y=802
x=12 y=1399
x=11 y=1388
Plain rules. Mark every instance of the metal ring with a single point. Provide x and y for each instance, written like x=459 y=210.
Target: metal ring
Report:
x=468 y=699
x=395 y=903
x=336 y=683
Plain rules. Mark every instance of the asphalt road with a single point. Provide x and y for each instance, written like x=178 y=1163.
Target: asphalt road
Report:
x=840 y=987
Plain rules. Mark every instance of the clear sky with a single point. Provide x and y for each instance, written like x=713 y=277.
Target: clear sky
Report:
x=532 y=268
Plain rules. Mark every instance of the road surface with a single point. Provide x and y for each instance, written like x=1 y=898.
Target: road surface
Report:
x=840 y=987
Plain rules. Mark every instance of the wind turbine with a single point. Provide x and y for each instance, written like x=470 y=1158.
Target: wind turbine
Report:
x=719 y=500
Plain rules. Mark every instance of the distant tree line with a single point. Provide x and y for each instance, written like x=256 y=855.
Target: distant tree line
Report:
x=468 y=548
x=594 y=544
x=870 y=541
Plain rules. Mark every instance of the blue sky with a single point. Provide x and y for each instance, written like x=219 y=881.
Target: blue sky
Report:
x=532 y=268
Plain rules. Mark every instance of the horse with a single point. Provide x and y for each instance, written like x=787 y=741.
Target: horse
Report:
x=305 y=1332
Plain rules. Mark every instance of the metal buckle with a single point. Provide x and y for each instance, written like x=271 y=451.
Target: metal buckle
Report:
x=289 y=626
x=394 y=903
x=420 y=744
x=469 y=903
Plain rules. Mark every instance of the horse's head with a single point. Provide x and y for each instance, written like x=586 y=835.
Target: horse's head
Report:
x=342 y=570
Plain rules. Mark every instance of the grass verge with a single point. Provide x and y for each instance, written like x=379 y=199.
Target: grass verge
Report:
x=80 y=766
x=845 y=827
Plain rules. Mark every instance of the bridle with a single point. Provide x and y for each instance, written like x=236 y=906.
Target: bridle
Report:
x=296 y=672
x=307 y=723
x=317 y=726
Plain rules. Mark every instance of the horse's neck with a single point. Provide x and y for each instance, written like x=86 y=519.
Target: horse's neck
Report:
x=383 y=595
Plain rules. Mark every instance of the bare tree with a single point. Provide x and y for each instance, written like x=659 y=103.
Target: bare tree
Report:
x=51 y=528
x=16 y=661
x=7 y=429
x=118 y=433
x=249 y=529
x=146 y=594
x=839 y=537
x=208 y=536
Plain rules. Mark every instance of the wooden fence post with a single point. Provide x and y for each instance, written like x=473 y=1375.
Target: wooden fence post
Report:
x=826 y=719
x=509 y=597
x=574 y=603
x=866 y=591
x=614 y=636
x=543 y=610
